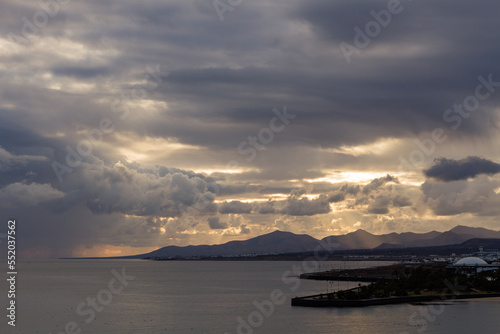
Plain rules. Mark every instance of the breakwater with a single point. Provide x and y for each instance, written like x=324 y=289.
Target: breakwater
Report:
x=327 y=300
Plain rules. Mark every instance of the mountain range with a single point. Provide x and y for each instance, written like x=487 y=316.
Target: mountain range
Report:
x=279 y=242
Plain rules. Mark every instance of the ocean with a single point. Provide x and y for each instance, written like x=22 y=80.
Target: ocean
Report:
x=137 y=296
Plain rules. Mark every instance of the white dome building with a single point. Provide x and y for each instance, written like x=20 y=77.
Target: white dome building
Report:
x=472 y=265
x=471 y=262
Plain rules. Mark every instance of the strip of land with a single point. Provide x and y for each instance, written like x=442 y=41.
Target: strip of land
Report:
x=372 y=274
x=402 y=283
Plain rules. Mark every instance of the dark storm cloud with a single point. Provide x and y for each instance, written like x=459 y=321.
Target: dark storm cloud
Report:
x=416 y=24
x=220 y=90
x=463 y=169
x=333 y=100
x=332 y=112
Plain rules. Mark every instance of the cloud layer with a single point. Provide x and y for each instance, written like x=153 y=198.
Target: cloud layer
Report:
x=126 y=124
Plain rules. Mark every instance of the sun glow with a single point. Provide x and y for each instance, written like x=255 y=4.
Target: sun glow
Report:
x=376 y=148
x=109 y=250
x=147 y=148
x=351 y=177
x=224 y=171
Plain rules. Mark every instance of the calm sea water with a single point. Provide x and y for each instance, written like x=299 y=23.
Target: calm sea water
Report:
x=212 y=297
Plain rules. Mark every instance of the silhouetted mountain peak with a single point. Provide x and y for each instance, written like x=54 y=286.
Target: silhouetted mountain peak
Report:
x=479 y=232
x=360 y=232
x=279 y=233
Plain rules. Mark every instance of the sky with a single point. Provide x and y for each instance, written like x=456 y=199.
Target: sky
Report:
x=126 y=126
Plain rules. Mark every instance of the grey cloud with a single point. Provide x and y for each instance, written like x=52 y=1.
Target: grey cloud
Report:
x=295 y=193
x=336 y=197
x=268 y=207
x=81 y=72
x=216 y=224
x=276 y=190
x=26 y=195
x=375 y=184
x=380 y=205
x=9 y=161
x=238 y=188
x=306 y=207
x=244 y=229
x=352 y=189
x=136 y=190
x=463 y=169
x=452 y=198
x=294 y=205
x=401 y=201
